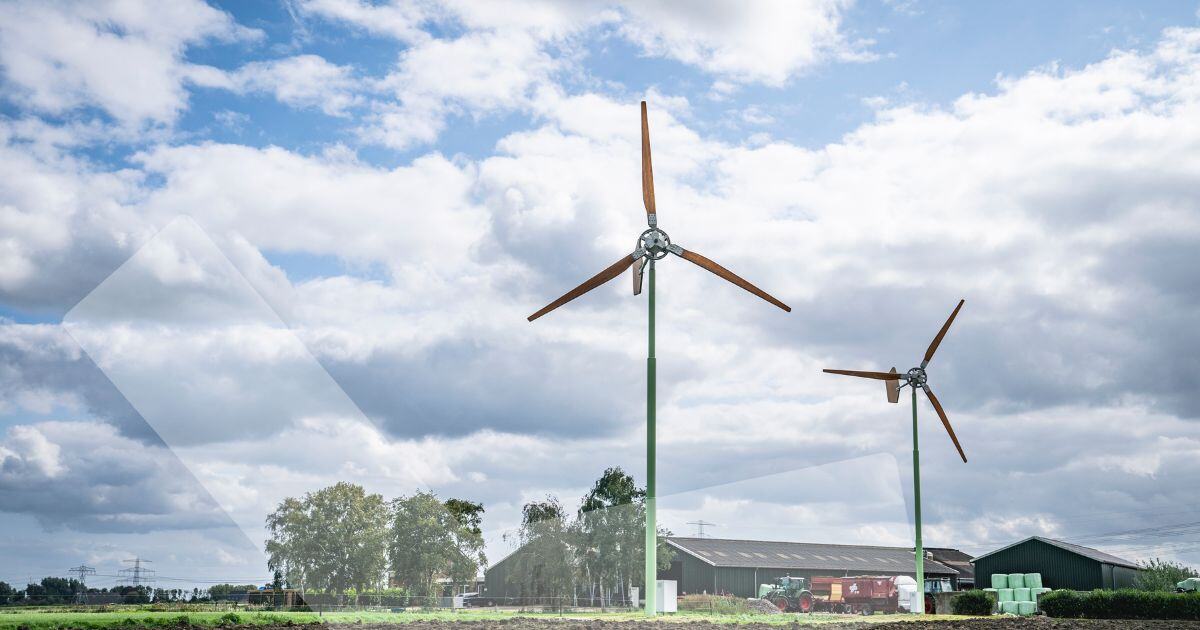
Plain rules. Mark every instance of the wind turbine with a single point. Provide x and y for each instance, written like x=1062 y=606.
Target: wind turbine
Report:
x=652 y=245
x=914 y=378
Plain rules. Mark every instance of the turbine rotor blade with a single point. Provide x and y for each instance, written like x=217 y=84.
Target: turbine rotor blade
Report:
x=933 y=345
x=637 y=275
x=647 y=172
x=937 y=406
x=893 y=388
x=879 y=376
x=611 y=272
x=705 y=263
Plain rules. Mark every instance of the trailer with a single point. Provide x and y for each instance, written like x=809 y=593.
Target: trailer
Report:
x=865 y=594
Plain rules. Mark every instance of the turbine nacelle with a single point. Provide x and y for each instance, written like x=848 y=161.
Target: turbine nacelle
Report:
x=915 y=377
x=655 y=243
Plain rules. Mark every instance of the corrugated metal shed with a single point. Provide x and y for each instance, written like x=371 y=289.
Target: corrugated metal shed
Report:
x=1062 y=565
x=862 y=559
x=737 y=567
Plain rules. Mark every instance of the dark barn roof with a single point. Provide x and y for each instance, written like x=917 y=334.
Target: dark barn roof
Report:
x=863 y=559
x=954 y=559
x=1087 y=552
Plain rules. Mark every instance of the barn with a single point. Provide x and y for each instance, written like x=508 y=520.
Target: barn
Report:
x=736 y=567
x=1062 y=565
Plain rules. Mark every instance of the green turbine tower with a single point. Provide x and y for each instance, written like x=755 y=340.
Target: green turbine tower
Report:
x=914 y=378
x=652 y=245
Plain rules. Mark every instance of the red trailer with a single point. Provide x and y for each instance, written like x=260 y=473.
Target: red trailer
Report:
x=864 y=594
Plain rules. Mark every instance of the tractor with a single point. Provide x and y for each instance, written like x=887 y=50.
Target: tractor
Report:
x=789 y=594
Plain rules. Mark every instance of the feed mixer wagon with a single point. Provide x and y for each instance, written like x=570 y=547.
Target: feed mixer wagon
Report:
x=865 y=594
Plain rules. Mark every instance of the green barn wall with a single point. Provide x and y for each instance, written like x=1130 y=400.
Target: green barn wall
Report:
x=1059 y=568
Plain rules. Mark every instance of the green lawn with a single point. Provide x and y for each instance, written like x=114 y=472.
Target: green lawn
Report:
x=51 y=619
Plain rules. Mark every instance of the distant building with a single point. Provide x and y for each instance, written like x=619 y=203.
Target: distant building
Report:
x=1062 y=565
x=737 y=567
x=957 y=560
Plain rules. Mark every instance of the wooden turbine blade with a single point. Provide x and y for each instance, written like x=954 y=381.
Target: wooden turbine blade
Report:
x=881 y=376
x=647 y=172
x=933 y=346
x=611 y=272
x=705 y=263
x=937 y=406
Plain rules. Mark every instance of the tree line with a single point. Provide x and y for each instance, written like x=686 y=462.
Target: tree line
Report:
x=342 y=538
x=596 y=555
x=52 y=591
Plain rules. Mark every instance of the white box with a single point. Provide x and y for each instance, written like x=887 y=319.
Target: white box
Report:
x=665 y=596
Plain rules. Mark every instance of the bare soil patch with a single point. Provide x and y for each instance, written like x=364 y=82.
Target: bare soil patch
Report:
x=520 y=623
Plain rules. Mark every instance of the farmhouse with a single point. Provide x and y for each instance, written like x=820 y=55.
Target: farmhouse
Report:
x=1062 y=564
x=736 y=567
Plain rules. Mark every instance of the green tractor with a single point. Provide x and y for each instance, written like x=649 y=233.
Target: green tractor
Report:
x=789 y=594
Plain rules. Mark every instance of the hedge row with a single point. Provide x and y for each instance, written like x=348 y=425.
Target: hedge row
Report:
x=1124 y=604
x=976 y=602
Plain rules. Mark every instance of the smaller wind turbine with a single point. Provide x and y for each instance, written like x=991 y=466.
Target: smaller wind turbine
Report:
x=914 y=378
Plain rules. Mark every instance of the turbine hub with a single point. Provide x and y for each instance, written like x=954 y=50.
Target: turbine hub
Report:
x=655 y=242
x=917 y=377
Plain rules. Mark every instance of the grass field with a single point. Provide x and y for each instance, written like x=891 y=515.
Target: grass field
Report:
x=49 y=619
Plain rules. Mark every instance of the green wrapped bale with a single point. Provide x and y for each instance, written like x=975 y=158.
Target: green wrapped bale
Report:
x=1034 y=592
x=1016 y=580
x=1026 y=608
x=1021 y=595
x=999 y=580
x=1004 y=595
x=1033 y=580
x=1009 y=608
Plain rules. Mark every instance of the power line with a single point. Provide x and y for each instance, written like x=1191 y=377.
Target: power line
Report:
x=700 y=527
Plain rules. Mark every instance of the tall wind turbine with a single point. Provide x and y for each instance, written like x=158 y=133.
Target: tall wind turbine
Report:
x=652 y=245
x=913 y=379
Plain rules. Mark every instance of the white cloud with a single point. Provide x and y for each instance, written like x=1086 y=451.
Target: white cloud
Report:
x=510 y=52
x=303 y=81
x=755 y=42
x=127 y=58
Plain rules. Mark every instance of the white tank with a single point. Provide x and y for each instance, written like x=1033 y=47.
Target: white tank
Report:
x=906 y=588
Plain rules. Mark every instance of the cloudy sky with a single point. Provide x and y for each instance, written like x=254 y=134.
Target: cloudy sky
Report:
x=249 y=250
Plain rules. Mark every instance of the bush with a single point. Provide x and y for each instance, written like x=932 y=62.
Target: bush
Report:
x=977 y=602
x=1123 y=604
x=1160 y=575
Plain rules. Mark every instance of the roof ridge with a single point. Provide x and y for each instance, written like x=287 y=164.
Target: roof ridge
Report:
x=788 y=542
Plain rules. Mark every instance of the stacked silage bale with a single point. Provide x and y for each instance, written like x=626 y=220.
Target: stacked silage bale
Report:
x=1016 y=593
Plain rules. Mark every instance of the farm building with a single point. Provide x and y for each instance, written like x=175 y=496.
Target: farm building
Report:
x=736 y=567
x=957 y=560
x=1062 y=564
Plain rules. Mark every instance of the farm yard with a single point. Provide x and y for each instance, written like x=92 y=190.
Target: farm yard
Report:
x=269 y=353
x=513 y=620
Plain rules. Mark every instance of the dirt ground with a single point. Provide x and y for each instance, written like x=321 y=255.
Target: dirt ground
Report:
x=997 y=623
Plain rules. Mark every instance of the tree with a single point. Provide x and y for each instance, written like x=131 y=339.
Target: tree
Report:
x=467 y=513
x=429 y=539
x=468 y=539
x=612 y=525
x=538 y=511
x=545 y=567
x=333 y=539
x=1161 y=575
x=7 y=593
